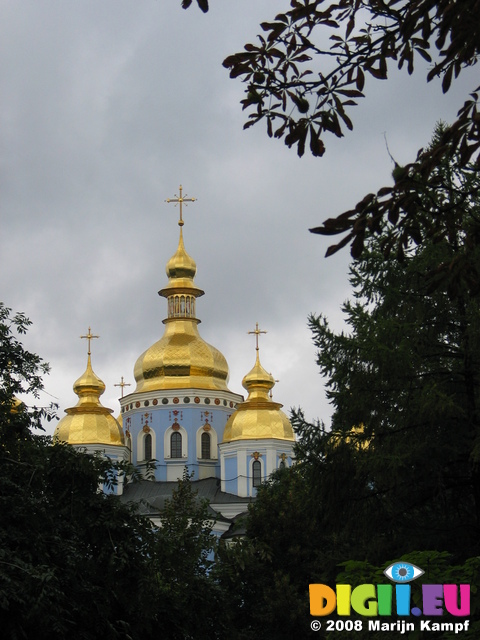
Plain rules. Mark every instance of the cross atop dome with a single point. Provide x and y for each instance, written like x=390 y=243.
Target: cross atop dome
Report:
x=256 y=333
x=180 y=200
x=89 y=337
x=122 y=384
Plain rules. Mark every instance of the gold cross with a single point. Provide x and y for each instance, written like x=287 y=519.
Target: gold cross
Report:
x=89 y=337
x=122 y=384
x=180 y=199
x=271 y=390
x=257 y=332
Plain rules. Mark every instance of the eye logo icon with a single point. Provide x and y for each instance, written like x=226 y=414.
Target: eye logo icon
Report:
x=403 y=572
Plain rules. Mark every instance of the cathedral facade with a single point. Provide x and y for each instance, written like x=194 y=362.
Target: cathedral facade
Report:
x=182 y=416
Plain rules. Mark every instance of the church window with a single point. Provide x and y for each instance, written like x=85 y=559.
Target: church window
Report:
x=206 y=446
x=176 y=445
x=147 y=444
x=257 y=473
x=282 y=464
x=128 y=442
x=182 y=305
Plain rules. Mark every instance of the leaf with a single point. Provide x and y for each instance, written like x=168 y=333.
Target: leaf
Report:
x=426 y=56
x=360 y=81
x=447 y=79
x=350 y=27
x=275 y=29
x=203 y=4
x=357 y=245
x=269 y=127
x=316 y=145
x=376 y=73
x=350 y=93
x=336 y=247
x=384 y=191
x=301 y=143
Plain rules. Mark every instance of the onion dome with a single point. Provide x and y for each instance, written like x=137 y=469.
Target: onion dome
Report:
x=89 y=422
x=17 y=406
x=258 y=417
x=181 y=359
x=355 y=437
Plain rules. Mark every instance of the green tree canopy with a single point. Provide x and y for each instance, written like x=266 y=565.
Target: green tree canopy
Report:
x=191 y=605
x=76 y=562
x=73 y=561
x=397 y=474
x=406 y=372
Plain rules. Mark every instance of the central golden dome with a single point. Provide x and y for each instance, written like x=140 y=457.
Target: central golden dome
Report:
x=181 y=359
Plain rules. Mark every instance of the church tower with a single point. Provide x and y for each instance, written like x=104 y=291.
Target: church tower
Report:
x=178 y=411
x=258 y=438
x=89 y=425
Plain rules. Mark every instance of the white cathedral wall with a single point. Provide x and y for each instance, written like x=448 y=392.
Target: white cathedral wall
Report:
x=237 y=460
x=116 y=453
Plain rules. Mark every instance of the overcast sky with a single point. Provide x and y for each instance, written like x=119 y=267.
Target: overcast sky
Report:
x=107 y=107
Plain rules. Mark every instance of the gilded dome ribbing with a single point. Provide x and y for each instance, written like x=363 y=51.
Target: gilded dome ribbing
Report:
x=89 y=422
x=258 y=417
x=181 y=359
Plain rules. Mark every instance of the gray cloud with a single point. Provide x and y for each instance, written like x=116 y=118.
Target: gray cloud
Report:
x=106 y=108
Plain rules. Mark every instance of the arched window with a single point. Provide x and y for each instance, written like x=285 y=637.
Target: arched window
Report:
x=128 y=442
x=206 y=446
x=147 y=444
x=257 y=473
x=176 y=445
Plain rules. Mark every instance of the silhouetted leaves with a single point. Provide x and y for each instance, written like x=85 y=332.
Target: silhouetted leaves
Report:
x=203 y=4
x=391 y=32
x=317 y=53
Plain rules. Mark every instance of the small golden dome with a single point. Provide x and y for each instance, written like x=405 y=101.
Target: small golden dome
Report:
x=181 y=359
x=181 y=270
x=89 y=422
x=181 y=265
x=17 y=405
x=258 y=417
x=355 y=437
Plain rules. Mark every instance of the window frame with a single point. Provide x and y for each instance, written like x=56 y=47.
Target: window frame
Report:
x=256 y=473
x=176 y=445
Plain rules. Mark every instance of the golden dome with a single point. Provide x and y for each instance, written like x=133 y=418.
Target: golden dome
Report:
x=355 y=437
x=181 y=359
x=258 y=417
x=89 y=422
x=17 y=405
x=181 y=265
